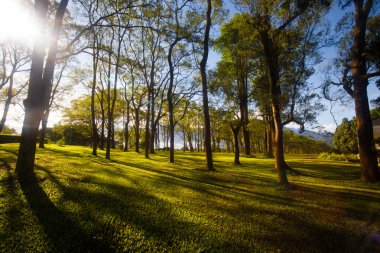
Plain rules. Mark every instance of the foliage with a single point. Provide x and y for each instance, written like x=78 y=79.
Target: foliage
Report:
x=9 y=138
x=375 y=113
x=345 y=139
x=339 y=157
x=83 y=203
x=71 y=134
x=8 y=130
x=297 y=144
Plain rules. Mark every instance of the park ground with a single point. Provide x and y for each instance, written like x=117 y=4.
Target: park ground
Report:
x=82 y=203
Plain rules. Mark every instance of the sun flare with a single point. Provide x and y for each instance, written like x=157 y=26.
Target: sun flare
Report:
x=17 y=21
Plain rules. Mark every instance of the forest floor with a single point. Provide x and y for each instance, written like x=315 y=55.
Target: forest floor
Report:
x=82 y=203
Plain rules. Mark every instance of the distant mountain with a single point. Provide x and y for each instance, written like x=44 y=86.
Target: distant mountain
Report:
x=321 y=136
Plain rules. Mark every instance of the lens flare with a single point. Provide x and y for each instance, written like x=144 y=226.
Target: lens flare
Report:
x=17 y=21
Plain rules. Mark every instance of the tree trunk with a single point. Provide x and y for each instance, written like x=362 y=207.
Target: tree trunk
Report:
x=152 y=126
x=157 y=133
x=184 y=139
x=43 y=128
x=170 y=99
x=109 y=132
x=7 y=103
x=190 y=140
x=228 y=147
x=270 y=137
x=153 y=138
x=147 y=128
x=39 y=82
x=265 y=141
x=198 y=135
x=213 y=142
x=109 y=110
x=113 y=142
x=126 y=128
x=243 y=103
x=235 y=132
x=137 y=130
x=207 y=139
x=271 y=59
x=367 y=151
x=95 y=137
x=102 y=134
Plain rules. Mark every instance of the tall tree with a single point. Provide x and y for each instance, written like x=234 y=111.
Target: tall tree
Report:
x=181 y=25
x=207 y=126
x=235 y=44
x=368 y=156
x=356 y=63
x=41 y=75
x=272 y=21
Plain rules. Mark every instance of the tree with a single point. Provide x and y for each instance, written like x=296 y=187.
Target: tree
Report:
x=367 y=152
x=56 y=93
x=8 y=130
x=358 y=62
x=182 y=25
x=16 y=57
x=207 y=127
x=272 y=21
x=41 y=75
x=235 y=44
x=345 y=138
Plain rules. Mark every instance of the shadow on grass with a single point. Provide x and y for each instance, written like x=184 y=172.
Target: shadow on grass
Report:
x=63 y=233
x=61 y=152
x=131 y=220
x=114 y=217
x=341 y=172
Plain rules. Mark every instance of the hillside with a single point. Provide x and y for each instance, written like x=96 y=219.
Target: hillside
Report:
x=327 y=137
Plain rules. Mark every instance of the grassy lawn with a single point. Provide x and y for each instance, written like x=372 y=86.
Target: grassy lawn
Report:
x=82 y=203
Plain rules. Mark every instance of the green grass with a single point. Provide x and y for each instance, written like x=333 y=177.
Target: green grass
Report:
x=82 y=203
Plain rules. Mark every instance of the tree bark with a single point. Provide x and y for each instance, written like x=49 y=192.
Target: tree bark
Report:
x=190 y=140
x=44 y=122
x=126 y=128
x=152 y=126
x=235 y=131
x=243 y=104
x=265 y=146
x=207 y=139
x=109 y=106
x=147 y=128
x=367 y=151
x=137 y=130
x=102 y=130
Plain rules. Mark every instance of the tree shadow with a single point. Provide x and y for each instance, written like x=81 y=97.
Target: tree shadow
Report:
x=126 y=212
x=63 y=234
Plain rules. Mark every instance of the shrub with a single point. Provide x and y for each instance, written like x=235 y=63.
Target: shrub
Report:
x=339 y=157
x=9 y=138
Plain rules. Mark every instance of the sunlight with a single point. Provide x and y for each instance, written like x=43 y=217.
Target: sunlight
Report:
x=16 y=22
